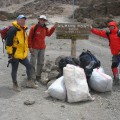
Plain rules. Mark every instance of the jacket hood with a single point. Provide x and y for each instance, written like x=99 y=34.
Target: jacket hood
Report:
x=113 y=23
x=17 y=25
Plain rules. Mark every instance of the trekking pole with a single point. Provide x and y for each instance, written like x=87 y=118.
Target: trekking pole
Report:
x=3 y=41
x=9 y=61
x=8 y=64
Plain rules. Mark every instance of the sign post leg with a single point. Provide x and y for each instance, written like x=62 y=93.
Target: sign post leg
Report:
x=73 y=47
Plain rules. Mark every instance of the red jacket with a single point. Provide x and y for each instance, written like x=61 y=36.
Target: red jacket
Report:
x=37 y=40
x=114 y=39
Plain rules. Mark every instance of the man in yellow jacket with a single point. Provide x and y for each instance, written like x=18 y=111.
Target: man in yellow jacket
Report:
x=17 y=49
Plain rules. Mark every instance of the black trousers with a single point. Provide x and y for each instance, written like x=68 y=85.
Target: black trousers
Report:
x=15 y=65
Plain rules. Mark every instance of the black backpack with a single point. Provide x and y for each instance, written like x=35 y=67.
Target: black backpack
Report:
x=86 y=57
x=64 y=61
x=88 y=62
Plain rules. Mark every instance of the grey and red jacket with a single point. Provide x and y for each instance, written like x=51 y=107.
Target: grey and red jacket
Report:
x=114 y=39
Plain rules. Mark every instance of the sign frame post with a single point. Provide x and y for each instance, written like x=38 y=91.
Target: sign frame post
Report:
x=73 y=31
x=73 y=47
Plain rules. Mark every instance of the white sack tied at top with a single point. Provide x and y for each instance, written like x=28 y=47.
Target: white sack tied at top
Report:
x=76 y=84
x=57 y=89
x=100 y=81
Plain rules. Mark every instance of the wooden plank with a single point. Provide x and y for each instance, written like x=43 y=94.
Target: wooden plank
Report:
x=72 y=36
x=72 y=31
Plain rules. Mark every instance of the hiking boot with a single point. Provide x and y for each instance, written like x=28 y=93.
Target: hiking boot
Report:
x=31 y=84
x=16 y=87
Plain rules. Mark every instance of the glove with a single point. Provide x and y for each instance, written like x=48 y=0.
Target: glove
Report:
x=10 y=59
x=10 y=56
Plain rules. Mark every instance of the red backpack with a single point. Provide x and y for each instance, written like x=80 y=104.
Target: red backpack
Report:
x=3 y=32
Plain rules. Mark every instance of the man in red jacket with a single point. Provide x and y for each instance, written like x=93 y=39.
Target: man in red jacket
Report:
x=114 y=42
x=36 y=44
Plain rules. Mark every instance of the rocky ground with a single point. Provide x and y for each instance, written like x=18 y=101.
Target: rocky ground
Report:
x=106 y=106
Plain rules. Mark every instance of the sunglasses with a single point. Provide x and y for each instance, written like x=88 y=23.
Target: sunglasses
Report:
x=42 y=20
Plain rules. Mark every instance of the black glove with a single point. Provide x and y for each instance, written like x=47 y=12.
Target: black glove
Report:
x=10 y=56
x=10 y=59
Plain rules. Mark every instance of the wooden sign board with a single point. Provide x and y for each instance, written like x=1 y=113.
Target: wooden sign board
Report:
x=72 y=31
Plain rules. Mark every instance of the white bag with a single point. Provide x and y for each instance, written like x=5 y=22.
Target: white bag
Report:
x=76 y=84
x=100 y=69
x=57 y=89
x=100 y=81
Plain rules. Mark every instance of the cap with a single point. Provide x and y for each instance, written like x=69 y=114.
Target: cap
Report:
x=42 y=17
x=21 y=16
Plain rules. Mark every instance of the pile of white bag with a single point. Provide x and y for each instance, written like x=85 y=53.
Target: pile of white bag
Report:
x=72 y=86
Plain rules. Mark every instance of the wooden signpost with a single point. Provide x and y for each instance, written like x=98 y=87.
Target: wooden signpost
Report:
x=72 y=31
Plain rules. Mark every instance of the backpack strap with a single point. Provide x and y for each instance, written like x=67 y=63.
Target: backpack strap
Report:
x=119 y=33
x=108 y=33
x=10 y=35
x=35 y=29
x=94 y=58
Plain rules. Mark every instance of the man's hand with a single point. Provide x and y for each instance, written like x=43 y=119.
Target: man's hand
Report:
x=91 y=27
x=10 y=56
x=10 y=59
x=55 y=25
x=31 y=50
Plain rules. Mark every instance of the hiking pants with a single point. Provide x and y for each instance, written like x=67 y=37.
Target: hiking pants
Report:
x=115 y=61
x=37 y=56
x=15 y=65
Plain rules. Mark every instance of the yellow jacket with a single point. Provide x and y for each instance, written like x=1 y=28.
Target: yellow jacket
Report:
x=17 y=41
